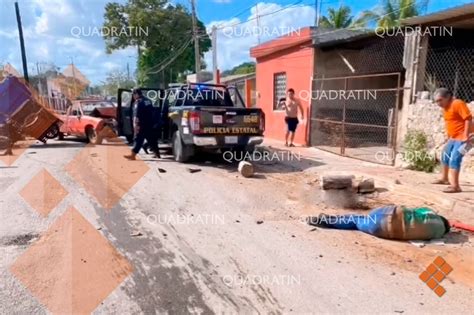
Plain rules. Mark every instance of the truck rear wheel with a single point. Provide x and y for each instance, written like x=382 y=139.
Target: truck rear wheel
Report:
x=53 y=132
x=181 y=152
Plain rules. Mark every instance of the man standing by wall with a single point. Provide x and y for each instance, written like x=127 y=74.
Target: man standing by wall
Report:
x=458 y=120
x=143 y=124
x=291 y=106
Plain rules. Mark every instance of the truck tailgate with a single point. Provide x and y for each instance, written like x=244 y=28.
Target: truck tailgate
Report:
x=230 y=121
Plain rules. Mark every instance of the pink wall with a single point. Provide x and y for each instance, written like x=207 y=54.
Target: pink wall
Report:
x=297 y=63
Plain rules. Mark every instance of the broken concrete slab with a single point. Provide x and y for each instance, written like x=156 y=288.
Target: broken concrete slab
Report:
x=246 y=169
x=366 y=185
x=329 y=182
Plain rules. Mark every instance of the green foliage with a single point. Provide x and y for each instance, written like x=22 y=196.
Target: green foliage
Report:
x=416 y=151
x=390 y=13
x=161 y=28
x=243 y=68
x=341 y=18
x=116 y=80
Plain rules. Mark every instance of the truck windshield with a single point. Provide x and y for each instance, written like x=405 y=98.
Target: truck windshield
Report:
x=89 y=107
x=207 y=96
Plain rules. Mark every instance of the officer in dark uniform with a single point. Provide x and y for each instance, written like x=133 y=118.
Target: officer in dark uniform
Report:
x=143 y=124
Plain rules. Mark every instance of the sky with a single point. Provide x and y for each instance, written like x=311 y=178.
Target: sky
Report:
x=59 y=31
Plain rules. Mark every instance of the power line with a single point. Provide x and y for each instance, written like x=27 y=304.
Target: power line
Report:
x=170 y=60
x=185 y=44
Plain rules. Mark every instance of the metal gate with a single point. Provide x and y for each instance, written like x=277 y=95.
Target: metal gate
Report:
x=356 y=116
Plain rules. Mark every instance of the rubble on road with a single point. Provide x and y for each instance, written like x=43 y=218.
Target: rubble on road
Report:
x=246 y=169
x=329 y=182
x=340 y=190
x=193 y=170
x=365 y=185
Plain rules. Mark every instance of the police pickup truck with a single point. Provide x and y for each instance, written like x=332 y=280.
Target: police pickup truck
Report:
x=198 y=117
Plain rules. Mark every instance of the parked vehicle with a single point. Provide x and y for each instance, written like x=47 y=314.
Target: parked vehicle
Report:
x=90 y=119
x=22 y=115
x=198 y=117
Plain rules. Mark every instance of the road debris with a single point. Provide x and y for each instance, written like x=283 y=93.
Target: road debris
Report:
x=366 y=185
x=161 y=170
x=136 y=233
x=421 y=244
x=193 y=170
x=259 y=222
x=246 y=169
x=329 y=182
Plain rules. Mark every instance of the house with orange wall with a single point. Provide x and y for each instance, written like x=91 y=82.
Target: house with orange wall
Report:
x=283 y=63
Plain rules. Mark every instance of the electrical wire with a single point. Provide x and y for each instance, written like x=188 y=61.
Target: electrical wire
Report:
x=170 y=60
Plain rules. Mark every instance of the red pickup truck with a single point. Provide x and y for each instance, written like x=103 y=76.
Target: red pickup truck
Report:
x=93 y=120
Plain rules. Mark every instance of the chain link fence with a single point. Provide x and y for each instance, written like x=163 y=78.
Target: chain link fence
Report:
x=360 y=123
x=452 y=68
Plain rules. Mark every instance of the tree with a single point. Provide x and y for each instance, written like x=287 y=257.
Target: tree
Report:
x=116 y=79
x=391 y=12
x=341 y=18
x=161 y=31
x=243 y=68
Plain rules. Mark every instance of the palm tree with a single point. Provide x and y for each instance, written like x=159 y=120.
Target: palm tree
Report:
x=341 y=18
x=391 y=12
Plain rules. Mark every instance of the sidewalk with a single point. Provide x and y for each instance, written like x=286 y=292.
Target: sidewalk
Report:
x=401 y=181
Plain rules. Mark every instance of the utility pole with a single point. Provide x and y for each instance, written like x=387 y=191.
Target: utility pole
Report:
x=317 y=5
x=197 y=55
x=128 y=72
x=22 y=43
x=40 y=87
x=214 y=54
x=73 y=77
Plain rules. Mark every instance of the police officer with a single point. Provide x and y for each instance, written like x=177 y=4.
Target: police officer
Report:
x=143 y=124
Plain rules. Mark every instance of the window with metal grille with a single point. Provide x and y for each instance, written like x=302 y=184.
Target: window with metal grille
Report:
x=279 y=89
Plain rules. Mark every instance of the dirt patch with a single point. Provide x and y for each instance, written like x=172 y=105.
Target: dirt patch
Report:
x=18 y=240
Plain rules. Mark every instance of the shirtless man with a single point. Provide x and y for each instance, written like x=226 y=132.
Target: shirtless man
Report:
x=291 y=106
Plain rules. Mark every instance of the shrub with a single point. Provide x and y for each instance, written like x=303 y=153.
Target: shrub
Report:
x=416 y=152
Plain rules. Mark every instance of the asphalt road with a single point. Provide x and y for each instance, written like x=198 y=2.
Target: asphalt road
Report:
x=83 y=230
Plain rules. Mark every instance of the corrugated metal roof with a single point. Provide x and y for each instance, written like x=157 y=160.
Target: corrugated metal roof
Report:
x=327 y=37
x=452 y=17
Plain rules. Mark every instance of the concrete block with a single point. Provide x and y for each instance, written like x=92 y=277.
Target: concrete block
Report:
x=329 y=182
x=246 y=169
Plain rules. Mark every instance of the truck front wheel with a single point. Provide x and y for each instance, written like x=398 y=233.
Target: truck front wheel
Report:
x=181 y=152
